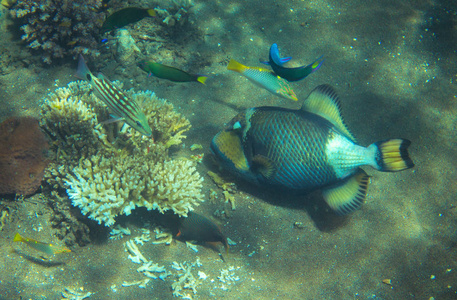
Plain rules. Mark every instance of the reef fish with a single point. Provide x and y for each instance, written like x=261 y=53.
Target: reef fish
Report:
x=306 y=149
x=49 y=249
x=118 y=102
x=170 y=73
x=265 y=79
x=125 y=17
x=291 y=74
x=200 y=229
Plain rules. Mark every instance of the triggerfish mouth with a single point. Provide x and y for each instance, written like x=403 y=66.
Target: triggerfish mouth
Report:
x=291 y=74
x=306 y=149
x=119 y=104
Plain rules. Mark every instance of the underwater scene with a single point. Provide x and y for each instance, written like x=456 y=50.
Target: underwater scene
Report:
x=197 y=149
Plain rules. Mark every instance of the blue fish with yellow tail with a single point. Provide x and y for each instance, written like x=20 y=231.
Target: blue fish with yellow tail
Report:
x=49 y=249
x=265 y=79
x=118 y=102
x=291 y=74
x=306 y=149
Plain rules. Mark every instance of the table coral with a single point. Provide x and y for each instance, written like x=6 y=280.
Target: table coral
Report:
x=60 y=28
x=23 y=156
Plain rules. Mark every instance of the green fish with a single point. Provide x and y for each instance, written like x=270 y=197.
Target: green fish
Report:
x=170 y=73
x=265 y=79
x=125 y=17
x=49 y=249
x=118 y=102
x=306 y=149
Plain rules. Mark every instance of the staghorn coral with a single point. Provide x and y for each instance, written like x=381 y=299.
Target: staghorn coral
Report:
x=23 y=156
x=60 y=28
x=110 y=174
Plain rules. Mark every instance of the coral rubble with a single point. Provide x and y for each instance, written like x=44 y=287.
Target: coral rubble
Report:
x=23 y=156
x=108 y=173
x=60 y=28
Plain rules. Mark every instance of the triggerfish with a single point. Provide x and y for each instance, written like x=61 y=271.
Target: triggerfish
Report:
x=306 y=149
x=49 y=249
x=265 y=79
x=170 y=73
x=125 y=17
x=120 y=105
x=291 y=74
x=200 y=229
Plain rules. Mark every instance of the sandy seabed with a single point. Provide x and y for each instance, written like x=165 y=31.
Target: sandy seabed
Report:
x=393 y=66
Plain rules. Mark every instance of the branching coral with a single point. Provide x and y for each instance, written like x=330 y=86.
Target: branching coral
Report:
x=104 y=187
x=60 y=27
x=106 y=176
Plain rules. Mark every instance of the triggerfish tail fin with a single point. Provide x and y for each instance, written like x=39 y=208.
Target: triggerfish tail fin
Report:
x=83 y=71
x=392 y=155
x=151 y=12
x=202 y=78
x=233 y=65
x=348 y=196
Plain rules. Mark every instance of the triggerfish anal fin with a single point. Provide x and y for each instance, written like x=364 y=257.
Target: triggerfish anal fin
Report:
x=291 y=74
x=323 y=101
x=349 y=195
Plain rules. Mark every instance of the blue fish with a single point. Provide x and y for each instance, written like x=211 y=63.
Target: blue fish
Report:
x=306 y=149
x=291 y=74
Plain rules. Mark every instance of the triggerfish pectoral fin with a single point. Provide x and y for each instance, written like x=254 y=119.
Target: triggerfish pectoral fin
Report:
x=349 y=195
x=291 y=74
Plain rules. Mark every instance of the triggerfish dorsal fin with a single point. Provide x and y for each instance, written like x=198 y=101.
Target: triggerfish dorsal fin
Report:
x=323 y=101
x=263 y=165
x=348 y=196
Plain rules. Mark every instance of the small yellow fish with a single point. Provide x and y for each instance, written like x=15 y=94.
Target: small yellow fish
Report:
x=49 y=249
x=72 y=43
x=265 y=79
x=8 y=3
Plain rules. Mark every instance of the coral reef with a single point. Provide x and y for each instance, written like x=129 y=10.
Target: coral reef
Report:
x=175 y=13
x=108 y=173
x=23 y=156
x=126 y=49
x=104 y=187
x=60 y=28
x=185 y=279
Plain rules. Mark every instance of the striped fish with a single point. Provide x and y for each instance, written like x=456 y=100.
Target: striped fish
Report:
x=117 y=101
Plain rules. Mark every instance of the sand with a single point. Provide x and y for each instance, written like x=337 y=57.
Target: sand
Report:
x=393 y=66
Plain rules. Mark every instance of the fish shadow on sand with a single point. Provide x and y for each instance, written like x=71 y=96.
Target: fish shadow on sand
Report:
x=313 y=203
x=44 y=262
